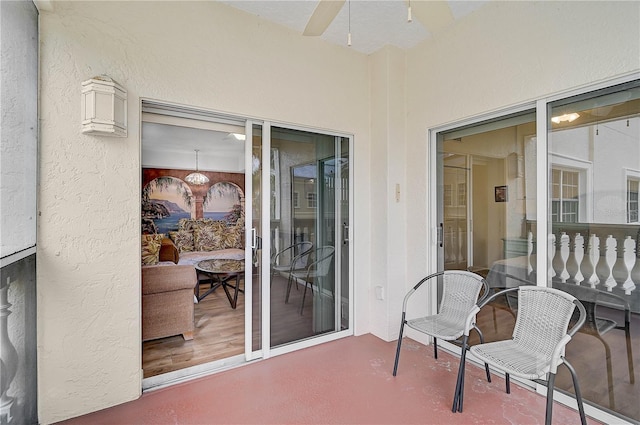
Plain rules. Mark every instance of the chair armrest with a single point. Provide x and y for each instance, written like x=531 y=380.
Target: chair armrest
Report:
x=156 y=279
x=581 y=320
x=415 y=288
x=469 y=322
x=169 y=251
x=558 y=353
x=618 y=301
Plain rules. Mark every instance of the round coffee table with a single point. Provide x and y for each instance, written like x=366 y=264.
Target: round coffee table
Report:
x=220 y=272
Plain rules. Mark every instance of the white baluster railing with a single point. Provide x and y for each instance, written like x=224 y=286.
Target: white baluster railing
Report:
x=604 y=267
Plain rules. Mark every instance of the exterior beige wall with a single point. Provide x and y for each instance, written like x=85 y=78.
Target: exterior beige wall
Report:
x=203 y=54
x=504 y=54
x=388 y=152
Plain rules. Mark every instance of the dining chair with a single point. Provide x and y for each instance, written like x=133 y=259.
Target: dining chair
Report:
x=318 y=267
x=460 y=292
x=538 y=342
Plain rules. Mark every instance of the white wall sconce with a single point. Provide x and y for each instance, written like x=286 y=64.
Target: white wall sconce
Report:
x=104 y=107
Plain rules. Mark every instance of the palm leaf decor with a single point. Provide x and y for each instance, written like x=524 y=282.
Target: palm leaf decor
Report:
x=220 y=190
x=167 y=183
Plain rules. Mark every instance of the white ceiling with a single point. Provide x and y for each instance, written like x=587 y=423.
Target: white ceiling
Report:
x=173 y=146
x=374 y=23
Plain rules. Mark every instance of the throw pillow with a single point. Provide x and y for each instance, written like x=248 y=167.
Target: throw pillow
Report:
x=151 y=249
x=208 y=238
x=232 y=236
x=183 y=240
x=190 y=224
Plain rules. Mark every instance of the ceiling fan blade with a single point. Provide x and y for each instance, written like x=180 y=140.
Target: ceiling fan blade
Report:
x=435 y=15
x=325 y=12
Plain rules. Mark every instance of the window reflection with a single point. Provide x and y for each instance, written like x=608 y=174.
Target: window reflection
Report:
x=594 y=162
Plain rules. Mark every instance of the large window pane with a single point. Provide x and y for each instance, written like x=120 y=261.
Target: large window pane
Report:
x=309 y=277
x=594 y=165
x=488 y=209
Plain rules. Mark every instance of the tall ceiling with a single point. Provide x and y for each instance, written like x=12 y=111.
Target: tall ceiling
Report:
x=374 y=23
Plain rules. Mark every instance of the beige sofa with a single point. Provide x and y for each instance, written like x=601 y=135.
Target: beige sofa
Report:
x=169 y=277
x=167 y=301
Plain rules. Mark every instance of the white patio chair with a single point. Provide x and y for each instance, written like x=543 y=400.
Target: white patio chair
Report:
x=460 y=291
x=537 y=346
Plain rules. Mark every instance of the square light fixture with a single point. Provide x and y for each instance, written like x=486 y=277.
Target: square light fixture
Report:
x=104 y=107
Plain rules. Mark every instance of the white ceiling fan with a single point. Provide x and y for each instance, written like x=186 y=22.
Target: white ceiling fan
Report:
x=434 y=15
x=322 y=16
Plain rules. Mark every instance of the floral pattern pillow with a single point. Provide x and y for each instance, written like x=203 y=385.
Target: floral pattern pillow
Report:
x=191 y=224
x=151 y=249
x=232 y=235
x=208 y=238
x=183 y=240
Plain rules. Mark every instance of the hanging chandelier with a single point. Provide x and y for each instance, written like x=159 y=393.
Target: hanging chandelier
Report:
x=196 y=178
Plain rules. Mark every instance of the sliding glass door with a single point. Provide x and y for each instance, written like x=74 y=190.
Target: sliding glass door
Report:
x=550 y=198
x=287 y=192
x=309 y=219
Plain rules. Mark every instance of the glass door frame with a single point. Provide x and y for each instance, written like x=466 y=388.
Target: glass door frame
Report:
x=435 y=258
x=266 y=350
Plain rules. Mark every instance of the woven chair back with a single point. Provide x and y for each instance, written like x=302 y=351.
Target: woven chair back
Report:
x=303 y=252
x=543 y=319
x=460 y=292
x=323 y=257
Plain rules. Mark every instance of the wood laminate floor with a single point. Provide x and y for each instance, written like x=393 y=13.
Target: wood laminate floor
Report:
x=219 y=329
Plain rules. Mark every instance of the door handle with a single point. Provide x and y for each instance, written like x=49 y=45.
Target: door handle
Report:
x=253 y=238
x=345 y=233
x=441 y=235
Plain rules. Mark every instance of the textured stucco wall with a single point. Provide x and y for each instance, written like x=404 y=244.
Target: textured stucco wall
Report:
x=196 y=53
x=18 y=125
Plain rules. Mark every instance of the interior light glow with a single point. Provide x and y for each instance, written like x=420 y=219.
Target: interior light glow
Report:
x=566 y=117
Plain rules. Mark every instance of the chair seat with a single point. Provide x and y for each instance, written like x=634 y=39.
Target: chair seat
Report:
x=303 y=274
x=439 y=326
x=604 y=325
x=282 y=268
x=512 y=359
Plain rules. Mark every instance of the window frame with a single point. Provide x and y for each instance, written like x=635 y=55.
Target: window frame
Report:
x=631 y=175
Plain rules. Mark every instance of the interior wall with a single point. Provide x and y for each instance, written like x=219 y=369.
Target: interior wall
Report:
x=203 y=54
x=506 y=53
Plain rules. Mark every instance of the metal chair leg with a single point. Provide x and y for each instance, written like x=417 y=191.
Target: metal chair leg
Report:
x=549 y=410
x=507 y=381
x=435 y=348
x=607 y=357
x=395 y=365
x=459 y=391
x=627 y=333
x=576 y=386
x=486 y=366
x=289 y=283
x=306 y=283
